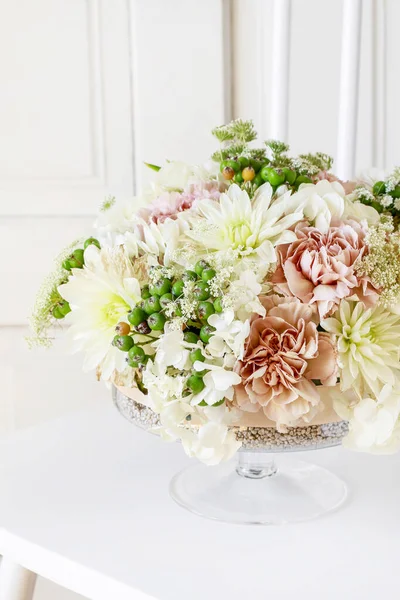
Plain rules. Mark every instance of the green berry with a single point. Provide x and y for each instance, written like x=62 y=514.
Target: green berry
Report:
x=222 y=165
x=177 y=288
x=161 y=287
x=91 y=241
x=136 y=354
x=302 y=179
x=156 y=321
x=218 y=305
x=56 y=312
x=265 y=171
x=137 y=316
x=189 y=276
x=276 y=177
x=243 y=162
x=205 y=310
x=238 y=178
x=123 y=342
x=152 y=305
x=66 y=265
x=379 y=188
x=256 y=164
x=200 y=266
x=190 y=337
x=165 y=300
x=206 y=332
x=64 y=307
x=132 y=363
x=195 y=383
x=290 y=175
x=258 y=180
x=201 y=291
x=208 y=274
x=233 y=164
x=145 y=292
x=196 y=355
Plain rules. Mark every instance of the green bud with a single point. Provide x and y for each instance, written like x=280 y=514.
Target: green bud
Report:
x=276 y=177
x=302 y=179
x=265 y=171
x=189 y=276
x=177 y=288
x=233 y=164
x=66 y=265
x=64 y=307
x=56 y=312
x=145 y=292
x=290 y=175
x=136 y=354
x=238 y=178
x=91 y=241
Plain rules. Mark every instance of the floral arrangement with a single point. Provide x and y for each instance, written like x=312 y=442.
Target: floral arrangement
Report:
x=249 y=285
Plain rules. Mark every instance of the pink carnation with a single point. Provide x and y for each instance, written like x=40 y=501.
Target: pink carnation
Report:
x=284 y=353
x=170 y=204
x=320 y=267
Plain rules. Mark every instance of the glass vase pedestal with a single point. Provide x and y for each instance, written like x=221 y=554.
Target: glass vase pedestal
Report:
x=259 y=490
x=256 y=487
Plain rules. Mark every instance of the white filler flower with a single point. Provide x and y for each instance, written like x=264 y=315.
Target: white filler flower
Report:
x=100 y=295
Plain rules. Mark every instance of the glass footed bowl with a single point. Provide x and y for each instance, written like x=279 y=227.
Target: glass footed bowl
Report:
x=255 y=487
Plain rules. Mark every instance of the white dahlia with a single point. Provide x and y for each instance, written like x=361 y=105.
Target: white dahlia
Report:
x=253 y=227
x=320 y=202
x=100 y=295
x=367 y=344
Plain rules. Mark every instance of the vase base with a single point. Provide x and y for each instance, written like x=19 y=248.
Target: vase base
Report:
x=258 y=493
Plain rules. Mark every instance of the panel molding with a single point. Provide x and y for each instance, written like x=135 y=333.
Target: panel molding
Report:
x=110 y=112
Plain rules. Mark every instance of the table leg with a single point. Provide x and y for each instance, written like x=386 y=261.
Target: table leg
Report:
x=16 y=582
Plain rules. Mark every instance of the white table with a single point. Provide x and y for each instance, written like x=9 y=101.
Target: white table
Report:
x=84 y=502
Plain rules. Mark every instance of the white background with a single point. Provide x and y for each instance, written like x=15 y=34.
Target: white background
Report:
x=89 y=89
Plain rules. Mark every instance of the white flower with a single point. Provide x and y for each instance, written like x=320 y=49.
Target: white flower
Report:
x=121 y=226
x=374 y=423
x=253 y=227
x=367 y=343
x=212 y=444
x=174 y=175
x=171 y=351
x=218 y=382
x=229 y=335
x=319 y=202
x=353 y=209
x=100 y=295
x=243 y=296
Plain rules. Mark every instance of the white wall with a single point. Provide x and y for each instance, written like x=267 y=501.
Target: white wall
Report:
x=89 y=89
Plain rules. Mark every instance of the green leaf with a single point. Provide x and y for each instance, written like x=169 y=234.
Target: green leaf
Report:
x=153 y=167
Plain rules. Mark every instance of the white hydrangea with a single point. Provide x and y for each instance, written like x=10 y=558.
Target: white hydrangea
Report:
x=229 y=335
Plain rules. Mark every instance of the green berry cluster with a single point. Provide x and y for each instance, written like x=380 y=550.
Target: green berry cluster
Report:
x=76 y=259
x=241 y=170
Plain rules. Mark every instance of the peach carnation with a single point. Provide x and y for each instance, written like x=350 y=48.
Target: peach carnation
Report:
x=284 y=353
x=320 y=267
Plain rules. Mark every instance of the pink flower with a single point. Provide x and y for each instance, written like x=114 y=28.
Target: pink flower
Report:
x=170 y=204
x=349 y=186
x=320 y=267
x=283 y=354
